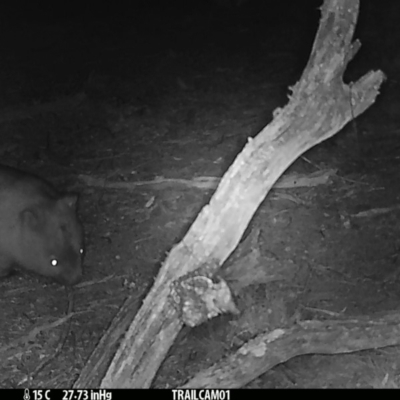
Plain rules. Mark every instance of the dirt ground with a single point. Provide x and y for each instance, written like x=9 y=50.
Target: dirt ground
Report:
x=175 y=93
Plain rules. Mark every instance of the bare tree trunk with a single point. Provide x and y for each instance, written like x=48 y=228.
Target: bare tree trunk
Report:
x=320 y=105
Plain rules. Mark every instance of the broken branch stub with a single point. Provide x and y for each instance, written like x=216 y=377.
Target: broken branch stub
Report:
x=199 y=298
x=320 y=105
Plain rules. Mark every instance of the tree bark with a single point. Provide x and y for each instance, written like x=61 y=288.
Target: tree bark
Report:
x=320 y=105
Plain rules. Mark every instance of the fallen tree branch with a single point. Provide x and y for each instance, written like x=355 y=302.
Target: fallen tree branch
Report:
x=293 y=180
x=307 y=337
x=320 y=105
x=373 y=212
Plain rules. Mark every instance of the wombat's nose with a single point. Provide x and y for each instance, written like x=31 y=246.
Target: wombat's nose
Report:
x=70 y=279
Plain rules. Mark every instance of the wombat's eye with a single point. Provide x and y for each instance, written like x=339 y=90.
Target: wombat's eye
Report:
x=54 y=262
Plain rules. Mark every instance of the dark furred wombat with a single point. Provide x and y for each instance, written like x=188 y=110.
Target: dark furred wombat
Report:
x=39 y=228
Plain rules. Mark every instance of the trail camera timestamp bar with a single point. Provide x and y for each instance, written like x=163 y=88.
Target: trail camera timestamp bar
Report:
x=118 y=394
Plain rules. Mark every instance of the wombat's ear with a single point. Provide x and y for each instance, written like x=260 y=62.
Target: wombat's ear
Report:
x=70 y=200
x=31 y=218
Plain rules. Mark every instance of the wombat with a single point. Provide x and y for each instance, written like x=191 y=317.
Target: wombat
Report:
x=39 y=228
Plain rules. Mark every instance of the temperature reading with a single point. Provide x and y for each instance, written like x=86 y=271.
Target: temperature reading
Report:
x=37 y=394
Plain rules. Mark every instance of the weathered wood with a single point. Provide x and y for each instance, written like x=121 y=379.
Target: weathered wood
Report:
x=309 y=337
x=320 y=105
x=96 y=366
x=206 y=182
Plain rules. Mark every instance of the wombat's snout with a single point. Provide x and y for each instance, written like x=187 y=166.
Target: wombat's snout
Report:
x=71 y=278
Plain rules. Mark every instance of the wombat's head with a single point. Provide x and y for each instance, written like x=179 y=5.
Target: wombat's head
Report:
x=51 y=240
